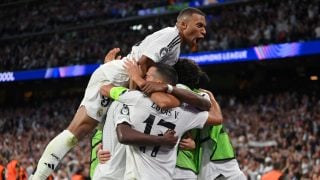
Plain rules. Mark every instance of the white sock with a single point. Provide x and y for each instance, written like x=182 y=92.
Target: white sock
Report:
x=54 y=153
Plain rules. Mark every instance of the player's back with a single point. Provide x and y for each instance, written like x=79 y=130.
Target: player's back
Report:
x=112 y=72
x=145 y=116
x=161 y=46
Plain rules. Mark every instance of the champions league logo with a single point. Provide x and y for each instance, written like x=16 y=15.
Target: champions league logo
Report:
x=7 y=76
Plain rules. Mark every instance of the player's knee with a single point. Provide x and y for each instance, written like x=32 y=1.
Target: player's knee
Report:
x=82 y=128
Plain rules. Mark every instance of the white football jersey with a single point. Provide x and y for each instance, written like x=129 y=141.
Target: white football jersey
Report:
x=115 y=167
x=180 y=173
x=155 y=162
x=162 y=46
x=212 y=169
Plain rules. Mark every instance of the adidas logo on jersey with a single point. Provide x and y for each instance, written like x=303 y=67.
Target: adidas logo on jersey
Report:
x=51 y=166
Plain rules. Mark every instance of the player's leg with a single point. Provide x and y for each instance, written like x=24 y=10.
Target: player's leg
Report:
x=80 y=126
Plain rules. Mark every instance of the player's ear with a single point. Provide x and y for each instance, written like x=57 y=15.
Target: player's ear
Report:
x=184 y=25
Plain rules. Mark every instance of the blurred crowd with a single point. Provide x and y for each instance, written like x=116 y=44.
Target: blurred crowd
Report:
x=64 y=35
x=272 y=132
x=276 y=132
x=26 y=130
x=42 y=16
x=269 y=132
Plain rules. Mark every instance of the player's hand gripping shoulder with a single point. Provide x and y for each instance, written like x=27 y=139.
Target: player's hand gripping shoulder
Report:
x=103 y=155
x=111 y=55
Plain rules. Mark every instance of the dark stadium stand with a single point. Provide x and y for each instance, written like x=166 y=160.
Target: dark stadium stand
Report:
x=271 y=108
x=230 y=26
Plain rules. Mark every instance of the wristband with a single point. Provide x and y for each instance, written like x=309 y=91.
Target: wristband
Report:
x=115 y=92
x=170 y=89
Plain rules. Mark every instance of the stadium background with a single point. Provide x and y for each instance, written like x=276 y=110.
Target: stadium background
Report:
x=271 y=108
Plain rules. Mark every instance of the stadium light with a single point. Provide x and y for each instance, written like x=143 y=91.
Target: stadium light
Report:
x=313 y=78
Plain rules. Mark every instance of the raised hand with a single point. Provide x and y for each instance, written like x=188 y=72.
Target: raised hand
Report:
x=111 y=55
x=132 y=68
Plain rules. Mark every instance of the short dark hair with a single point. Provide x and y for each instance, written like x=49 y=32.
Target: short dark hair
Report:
x=167 y=72
x=189 y=11
x=188 y=73
x=204 y=80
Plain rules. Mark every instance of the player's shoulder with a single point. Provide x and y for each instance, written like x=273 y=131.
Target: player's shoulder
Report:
x=169 y=29
x=170 y=32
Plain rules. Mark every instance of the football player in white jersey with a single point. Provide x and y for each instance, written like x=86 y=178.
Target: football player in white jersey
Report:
x=162 y=46
x=156 y=162
x=114 y=168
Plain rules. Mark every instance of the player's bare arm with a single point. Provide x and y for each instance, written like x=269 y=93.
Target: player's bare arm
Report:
x=149 y=87
x=144 y=62
x=215 y=115
x=129 y=136
x=163 y=100
x=182 y=94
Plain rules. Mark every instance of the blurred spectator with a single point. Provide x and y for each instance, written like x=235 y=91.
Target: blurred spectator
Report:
x=275 y=173
x=2 y=172
x=40 y=122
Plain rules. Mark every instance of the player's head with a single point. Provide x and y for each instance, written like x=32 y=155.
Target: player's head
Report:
x=162 y=73
x=204 y=80
x=188 y=73
x=191 y=23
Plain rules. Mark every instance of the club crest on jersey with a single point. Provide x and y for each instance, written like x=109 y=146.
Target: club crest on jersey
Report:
x=100 y=112
x=125 y=110
x=164 y=51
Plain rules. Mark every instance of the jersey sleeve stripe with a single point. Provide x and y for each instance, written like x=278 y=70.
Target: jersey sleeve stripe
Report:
x=177 y=38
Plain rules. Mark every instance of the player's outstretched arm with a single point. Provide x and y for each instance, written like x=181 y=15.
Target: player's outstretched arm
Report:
x=129 y=136
x=182 y=94
x=191 y=98
x=215 y=115
x=163 y=100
